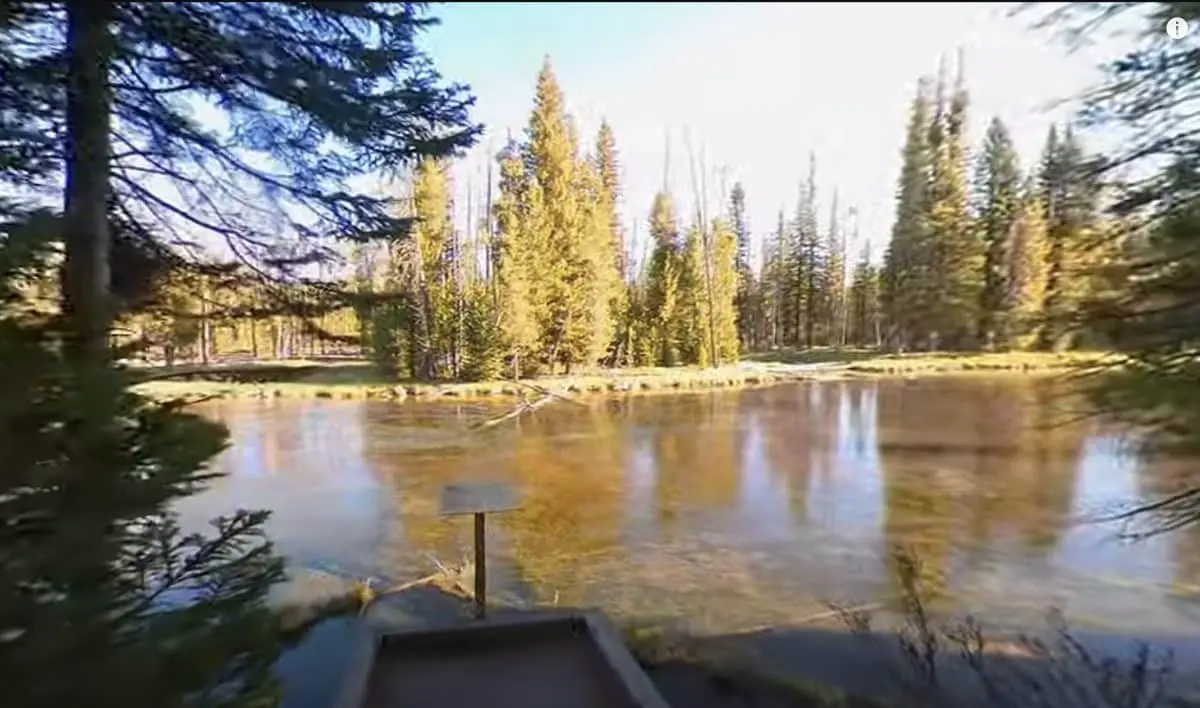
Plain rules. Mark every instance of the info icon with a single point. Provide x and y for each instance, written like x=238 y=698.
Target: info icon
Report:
x=1178 y=28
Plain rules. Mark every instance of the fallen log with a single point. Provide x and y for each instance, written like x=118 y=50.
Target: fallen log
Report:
x=523 y=407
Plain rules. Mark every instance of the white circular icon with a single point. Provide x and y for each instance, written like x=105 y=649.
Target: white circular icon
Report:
x=1177 y=28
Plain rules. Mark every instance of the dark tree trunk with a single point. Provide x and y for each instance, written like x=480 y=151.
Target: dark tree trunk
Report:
x=85 y=274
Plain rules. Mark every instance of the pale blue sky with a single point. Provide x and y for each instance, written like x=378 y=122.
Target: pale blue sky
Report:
x=757 y=85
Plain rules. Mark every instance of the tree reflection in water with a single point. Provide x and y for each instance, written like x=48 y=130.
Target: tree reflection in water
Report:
x=742 y=507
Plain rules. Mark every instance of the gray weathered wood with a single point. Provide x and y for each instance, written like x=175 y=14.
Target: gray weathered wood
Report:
x=364 y=648
x=637 y=687
x=477 y=498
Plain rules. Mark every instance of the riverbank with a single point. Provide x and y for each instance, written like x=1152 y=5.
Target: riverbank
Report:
x=358 y=380
x=687 y=670
x=821 y=665
x=938 y=363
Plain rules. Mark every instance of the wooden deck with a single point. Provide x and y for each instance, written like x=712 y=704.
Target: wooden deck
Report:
x=543 y=659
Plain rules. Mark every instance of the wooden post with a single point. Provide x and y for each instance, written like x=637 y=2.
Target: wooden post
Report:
x=480 y=566
x=478 y=499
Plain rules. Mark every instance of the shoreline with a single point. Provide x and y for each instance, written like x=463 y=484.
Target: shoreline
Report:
x=353 y=380
x=806 y=663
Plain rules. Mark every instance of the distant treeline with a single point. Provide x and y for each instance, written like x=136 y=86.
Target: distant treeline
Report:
x=983 y=255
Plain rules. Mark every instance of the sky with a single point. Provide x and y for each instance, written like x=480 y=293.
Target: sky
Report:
x=756 y=87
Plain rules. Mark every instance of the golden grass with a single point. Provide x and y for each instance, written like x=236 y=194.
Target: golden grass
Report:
x=364 y=384
x=985 y=362
x=360 y=381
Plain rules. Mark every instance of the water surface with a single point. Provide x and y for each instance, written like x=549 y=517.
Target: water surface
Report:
x=733 y=510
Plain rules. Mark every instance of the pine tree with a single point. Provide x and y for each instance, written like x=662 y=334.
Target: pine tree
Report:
x=1026 y=273
x=955 y=250
x=608 y=168
x=790 y=279
x=483 y=345
x=591 y=332
x=90 y=551
x=662 y=296
x=906 y=271
x=516 y=252
x=577 y=269
x=998 y=198
x=1144 y=92
x=608 y=171
x=1069 y=195
x=691 y=320
x=550 y=161
x=808 y=264
x=863 y=306
x=419 y=317
x=97 y=580
x=723 y=289
x=747 y=288
x=834 y=285
x=775 y=283
x=152 y=47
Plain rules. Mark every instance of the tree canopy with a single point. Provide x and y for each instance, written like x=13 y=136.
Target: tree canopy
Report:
x=154 y=126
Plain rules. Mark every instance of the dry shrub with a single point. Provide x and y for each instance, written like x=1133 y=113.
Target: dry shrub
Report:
x=955 y=663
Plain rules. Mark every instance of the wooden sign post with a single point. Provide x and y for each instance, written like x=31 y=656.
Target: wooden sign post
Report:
x=478 y=499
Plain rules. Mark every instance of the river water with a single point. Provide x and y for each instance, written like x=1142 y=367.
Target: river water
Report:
x=735 y=509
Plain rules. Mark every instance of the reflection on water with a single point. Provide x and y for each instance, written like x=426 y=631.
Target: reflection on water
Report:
x=731 y=509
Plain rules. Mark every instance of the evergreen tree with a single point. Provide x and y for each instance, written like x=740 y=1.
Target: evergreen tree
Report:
x=1026 y=273
x=723 y=292
x=516 y=251
x=775 y=282
x=591 y=333
x=576 y=273
x=746 y=285
x=998 y=199
x=608 y=172
x=1068 y=191
x=662 y=286
x=1144 y=91
x=608 y=168
x=429 y=283
x=807 y=264
x=137 y=69
x=96 y=579
x=954 y=250
x=906 y=271
x=483 y=353
x=692 y=315
x=835 y=278
x=550 y=159
x=863 y=306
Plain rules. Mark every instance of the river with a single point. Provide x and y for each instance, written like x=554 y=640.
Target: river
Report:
x=735 y=509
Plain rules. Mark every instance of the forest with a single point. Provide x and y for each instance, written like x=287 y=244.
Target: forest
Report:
x=985 y=254
x=108 y=181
